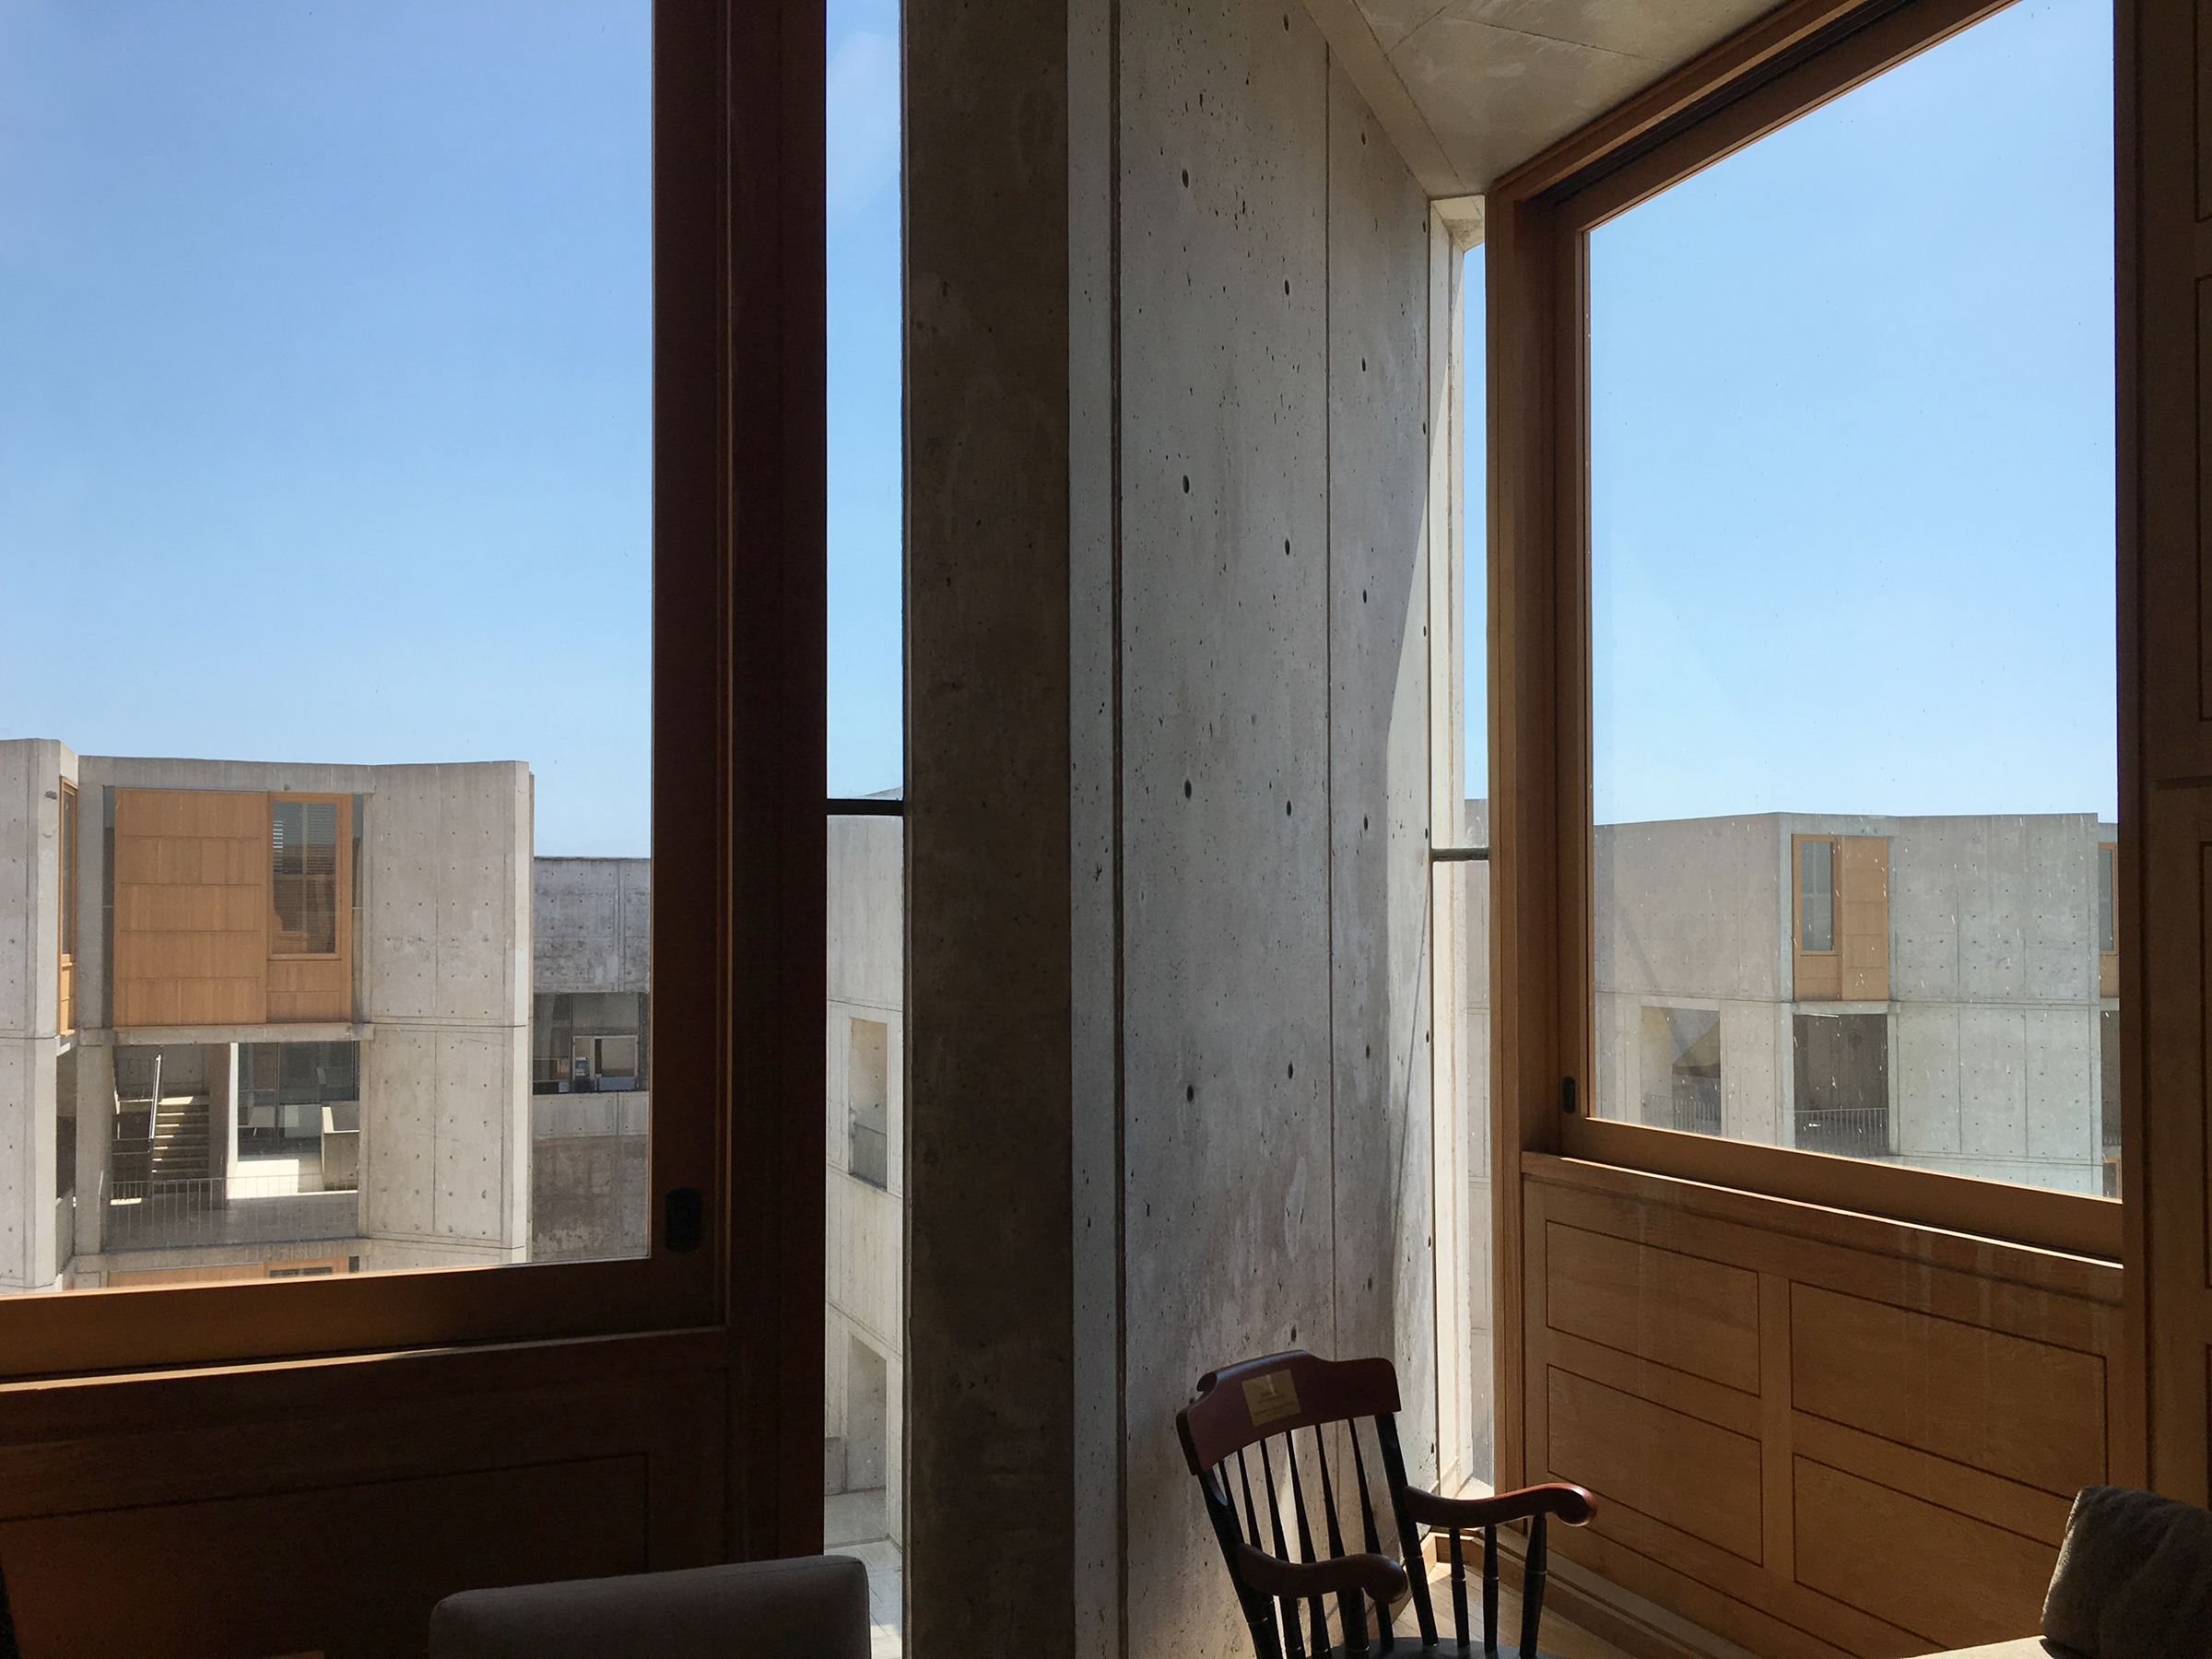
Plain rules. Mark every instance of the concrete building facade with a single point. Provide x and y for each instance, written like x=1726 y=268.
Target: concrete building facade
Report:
x=1936 y=991
x=591 y=1109
x=864 y=1351
x=259 y=1018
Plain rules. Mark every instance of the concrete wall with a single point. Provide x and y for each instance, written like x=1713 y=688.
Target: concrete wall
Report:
x=32 y=771
x=1273 y=732
x=591 y=930
x=1993 y=1059
x=1237 y=964
x=591 y=925
x=445 y=1090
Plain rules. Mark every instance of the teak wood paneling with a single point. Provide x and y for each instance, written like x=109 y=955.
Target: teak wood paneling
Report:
x=196 y=928
x=1857 y=968
x=1882 y=1464
x=191 y=878
x=1862 y=916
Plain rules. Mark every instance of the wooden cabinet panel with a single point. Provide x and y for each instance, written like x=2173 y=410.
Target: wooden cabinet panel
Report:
x=1690 y=1315
x=327 y=1506
x=1945 y=1393
x=1689 y=1474
x=1952 y=1579
x=2027 y=1410
x=347 y=1571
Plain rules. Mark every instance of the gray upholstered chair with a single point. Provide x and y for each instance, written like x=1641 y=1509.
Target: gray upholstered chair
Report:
x=811 y=1607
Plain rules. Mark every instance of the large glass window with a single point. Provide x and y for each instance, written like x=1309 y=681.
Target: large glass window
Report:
x=303 y=877
x=350 y=313
x=1853 y=612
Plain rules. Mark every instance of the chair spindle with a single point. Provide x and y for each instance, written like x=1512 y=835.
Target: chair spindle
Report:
x=1294 y=1641
x=1489 y=1589
x=1532 y=1586
x=1367 y=1526
x=1459 y=1589
x=1351 y=1607
x=1316 y=1610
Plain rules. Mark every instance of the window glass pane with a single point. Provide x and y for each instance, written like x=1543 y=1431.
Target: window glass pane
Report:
x=863 y=1482
x=1816 y=895
x=341 y=312
x=1852 y=602
x=1463 y=898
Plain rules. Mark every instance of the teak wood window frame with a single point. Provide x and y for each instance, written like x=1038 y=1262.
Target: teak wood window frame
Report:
x=1798 y=58
x=739 y=905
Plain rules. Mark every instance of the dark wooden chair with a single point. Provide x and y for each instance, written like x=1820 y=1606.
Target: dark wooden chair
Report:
x=1292 y=1408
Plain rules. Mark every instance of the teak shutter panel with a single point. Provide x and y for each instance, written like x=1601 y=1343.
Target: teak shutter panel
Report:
x=1862 y=916
x=192 y=871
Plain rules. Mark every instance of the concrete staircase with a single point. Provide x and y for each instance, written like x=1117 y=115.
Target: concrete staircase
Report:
x=183 y=1146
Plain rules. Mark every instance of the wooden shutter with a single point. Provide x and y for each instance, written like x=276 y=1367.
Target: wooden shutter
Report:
x=192 y=874
x=1862 y=916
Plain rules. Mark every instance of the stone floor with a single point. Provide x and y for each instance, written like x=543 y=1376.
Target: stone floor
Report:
x=884 y=1599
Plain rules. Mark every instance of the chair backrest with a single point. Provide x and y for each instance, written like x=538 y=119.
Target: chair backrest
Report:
x=1292 y=1425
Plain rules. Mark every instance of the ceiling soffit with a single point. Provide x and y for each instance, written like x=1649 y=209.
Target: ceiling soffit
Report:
x=1468 y=89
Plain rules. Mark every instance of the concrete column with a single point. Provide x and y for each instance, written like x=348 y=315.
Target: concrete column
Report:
x=30 y=867
x=94 y=1143
x=1168 y=788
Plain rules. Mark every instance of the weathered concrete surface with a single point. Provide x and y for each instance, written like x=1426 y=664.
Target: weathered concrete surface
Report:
x=1995 y=1047
x=445 y=1087
x=864 y=1043
x=589 y=1196
x=591 y=925
x=989 y=1381
x=31 y=770
x=1473 y=87
x=1166 y=792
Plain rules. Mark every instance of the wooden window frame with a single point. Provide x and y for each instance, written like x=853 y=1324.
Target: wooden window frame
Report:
x=343 y=806
x=739 y=905
x=1798 y=58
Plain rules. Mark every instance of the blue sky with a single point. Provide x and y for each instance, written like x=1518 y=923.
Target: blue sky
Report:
x=324 y=413
x=1852 y=469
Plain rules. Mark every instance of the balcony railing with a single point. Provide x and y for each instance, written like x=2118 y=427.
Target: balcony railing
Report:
x=1846 y=1131
x=243 y=1209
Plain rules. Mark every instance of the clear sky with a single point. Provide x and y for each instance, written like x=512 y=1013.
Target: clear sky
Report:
x=324 y=413
x=324 y=386
x=1852 y=469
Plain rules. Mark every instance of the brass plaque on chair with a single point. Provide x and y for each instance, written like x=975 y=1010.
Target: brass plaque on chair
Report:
x=1270 y=1398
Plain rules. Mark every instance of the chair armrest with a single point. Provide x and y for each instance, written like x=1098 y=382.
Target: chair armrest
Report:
x=1570 y=1503
x=1379 y=1576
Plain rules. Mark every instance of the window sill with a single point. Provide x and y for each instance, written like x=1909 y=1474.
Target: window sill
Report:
x=2072 y=1223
